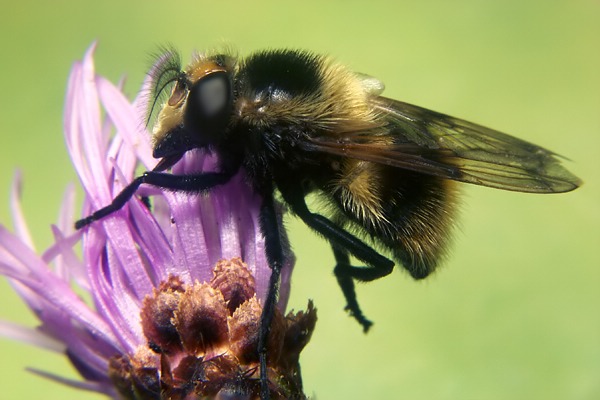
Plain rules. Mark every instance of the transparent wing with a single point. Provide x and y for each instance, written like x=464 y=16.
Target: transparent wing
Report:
x=428 y=142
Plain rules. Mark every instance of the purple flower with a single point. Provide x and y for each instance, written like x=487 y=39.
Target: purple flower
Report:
x=143 y=265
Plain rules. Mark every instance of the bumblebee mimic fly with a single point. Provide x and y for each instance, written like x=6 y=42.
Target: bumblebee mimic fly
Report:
x=299 y=123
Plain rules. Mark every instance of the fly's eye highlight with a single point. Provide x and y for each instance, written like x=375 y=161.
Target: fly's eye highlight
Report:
x=211 y=95
x=209 y=103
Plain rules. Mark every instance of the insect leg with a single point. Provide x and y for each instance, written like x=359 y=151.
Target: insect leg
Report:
x=269 y=225
x=343 y=243
x=188 y=183
x=346 y=283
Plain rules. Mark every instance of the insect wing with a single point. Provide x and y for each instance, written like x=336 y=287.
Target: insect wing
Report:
x=436 y=144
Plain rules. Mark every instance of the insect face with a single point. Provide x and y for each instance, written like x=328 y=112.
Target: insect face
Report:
x=197 y=111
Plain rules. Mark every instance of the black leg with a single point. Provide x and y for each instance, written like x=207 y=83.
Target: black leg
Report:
x=269 y=224
x=343 y=244
x=346 y=283
x=188 y=183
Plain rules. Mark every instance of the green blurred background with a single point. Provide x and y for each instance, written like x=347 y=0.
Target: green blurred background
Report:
x=514 y=314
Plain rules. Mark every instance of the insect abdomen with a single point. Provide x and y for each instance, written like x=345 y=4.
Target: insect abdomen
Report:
x=408 y=215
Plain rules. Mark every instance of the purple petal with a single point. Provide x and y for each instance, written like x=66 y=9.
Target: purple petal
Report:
x=31 y=336
x=45 y=287
x=100 y=387
x=17 y=213
x=121 y=111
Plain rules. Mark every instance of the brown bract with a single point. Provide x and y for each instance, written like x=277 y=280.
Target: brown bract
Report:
x=203 y=340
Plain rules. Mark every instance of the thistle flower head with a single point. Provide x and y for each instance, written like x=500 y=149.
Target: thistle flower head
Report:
x=175 y=280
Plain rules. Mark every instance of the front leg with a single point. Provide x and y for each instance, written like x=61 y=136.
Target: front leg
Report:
x=188 y=183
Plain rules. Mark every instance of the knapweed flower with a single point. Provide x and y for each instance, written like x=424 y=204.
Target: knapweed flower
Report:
x=174 y=281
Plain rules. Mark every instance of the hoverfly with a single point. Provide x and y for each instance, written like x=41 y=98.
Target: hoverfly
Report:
x=299 y=123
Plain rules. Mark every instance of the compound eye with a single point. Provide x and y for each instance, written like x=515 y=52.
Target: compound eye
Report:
x=209 y=103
